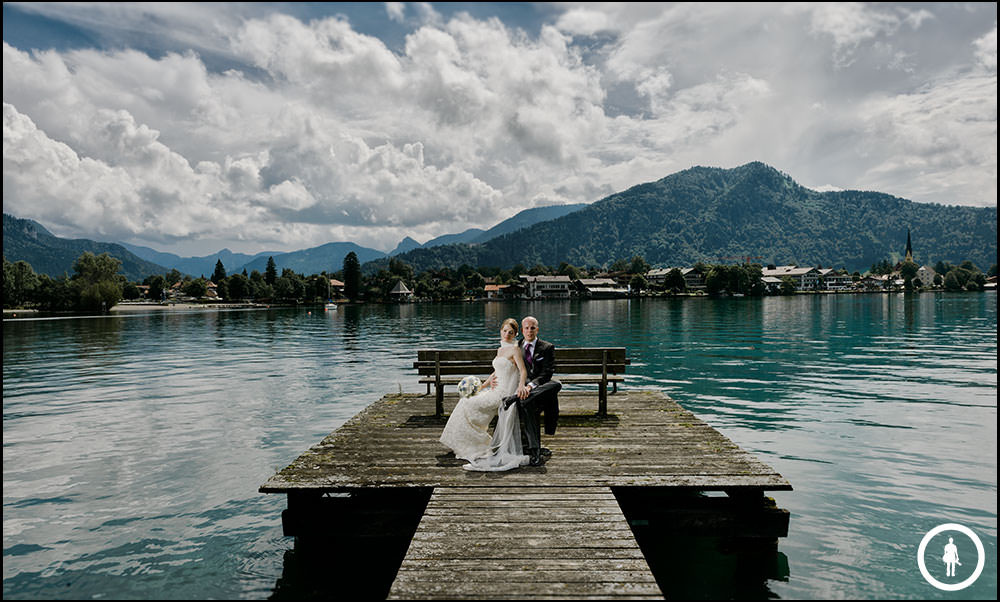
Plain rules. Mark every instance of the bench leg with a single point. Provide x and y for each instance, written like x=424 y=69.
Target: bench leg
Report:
x=602 y=400
x=439 y=401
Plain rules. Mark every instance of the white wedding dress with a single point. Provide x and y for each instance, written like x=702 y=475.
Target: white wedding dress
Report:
x=467 y=430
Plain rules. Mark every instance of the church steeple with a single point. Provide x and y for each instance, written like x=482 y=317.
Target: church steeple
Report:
x=909 y=248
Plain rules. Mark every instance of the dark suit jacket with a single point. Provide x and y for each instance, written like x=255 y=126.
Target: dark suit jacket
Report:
x=540 y=371
x=543 y=364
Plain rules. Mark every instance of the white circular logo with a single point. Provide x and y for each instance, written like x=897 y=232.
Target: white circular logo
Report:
x=951 y=557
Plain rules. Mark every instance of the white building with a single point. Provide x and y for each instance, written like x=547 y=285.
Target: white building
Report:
x=805 y=278
x=547 y=287
x=835 y=281
x=926 y=275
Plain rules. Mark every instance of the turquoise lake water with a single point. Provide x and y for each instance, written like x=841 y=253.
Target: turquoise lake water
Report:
x=133 y=445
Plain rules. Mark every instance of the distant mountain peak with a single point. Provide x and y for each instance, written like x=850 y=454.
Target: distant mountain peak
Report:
x=407 y=244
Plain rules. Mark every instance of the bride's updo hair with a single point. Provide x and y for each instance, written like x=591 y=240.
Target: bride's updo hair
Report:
x=513 y=324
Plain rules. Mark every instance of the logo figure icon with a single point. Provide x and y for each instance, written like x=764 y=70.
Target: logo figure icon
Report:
x=950 y=557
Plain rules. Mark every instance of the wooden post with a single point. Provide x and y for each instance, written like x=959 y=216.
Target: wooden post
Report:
x=602 y=395
x=439 y=390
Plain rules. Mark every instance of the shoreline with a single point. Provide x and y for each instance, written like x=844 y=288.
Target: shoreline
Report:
x=129 y=307
x=125 y=308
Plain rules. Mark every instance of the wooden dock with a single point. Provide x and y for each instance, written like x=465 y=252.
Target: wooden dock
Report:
x=517 y=542
x=552 y=531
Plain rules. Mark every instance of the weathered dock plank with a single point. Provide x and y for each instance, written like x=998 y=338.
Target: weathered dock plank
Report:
x=499 y=543
x=646 y=440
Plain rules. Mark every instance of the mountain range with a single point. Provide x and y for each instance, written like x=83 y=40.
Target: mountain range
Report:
x=475 y=236
x=706 y=214
x=719 y=215
x=25 y=239
x=28 y=240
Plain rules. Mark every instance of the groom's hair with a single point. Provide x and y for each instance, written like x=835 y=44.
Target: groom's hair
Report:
x=532 y=318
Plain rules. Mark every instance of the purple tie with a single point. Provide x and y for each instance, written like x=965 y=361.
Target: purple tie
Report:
x=527 y=353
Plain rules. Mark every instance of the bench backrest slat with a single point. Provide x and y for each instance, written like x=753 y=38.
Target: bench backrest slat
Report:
x=616 y=355
x=569 y=360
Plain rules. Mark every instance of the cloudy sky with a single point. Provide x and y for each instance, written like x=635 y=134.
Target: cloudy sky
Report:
x=193 y=127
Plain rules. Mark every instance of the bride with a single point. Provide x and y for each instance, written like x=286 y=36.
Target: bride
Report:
x=466 y=432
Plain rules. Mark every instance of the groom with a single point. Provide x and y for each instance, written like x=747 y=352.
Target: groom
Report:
x=540 y=393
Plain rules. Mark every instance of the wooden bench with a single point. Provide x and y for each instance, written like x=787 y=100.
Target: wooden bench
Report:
x=574 y=365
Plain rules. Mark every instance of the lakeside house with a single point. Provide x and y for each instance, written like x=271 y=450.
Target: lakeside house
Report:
x=657 y=276
x=694 y=278
x=547 y=287
x=805 y=279
x=772 y=284
x=926 y=275
x=600 y=288
x=496 y=292
x=832 y=280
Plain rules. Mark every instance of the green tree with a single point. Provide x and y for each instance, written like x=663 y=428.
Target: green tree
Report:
x=173 y=277
x=352 y=276
x=19 y=283
x=566 y=269
x=56 y=294
x=222 y=288
x=157 y=284
x=908 y=270
x=238 y=287
x=401 y=269
x=952 y=282
x=271 y=272
x=263 y=291
x=943 y=267
x=316 y=287
x=675 y=280
x=539 y=270
x=220 y=272
x=638 y=265
x=638 y=283
x=196 y=288
x=716 y=280
x=751 y=279
x=475 y=284
x=289 y=288
x=788 y=285
x=130 y=291
x=97 y=282
x=619 y=265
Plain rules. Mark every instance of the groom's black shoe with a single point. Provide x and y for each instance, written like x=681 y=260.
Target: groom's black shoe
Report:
x=535 y=457
x=545 y=452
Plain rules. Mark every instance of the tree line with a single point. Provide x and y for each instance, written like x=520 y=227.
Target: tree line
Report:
x=97 y=284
